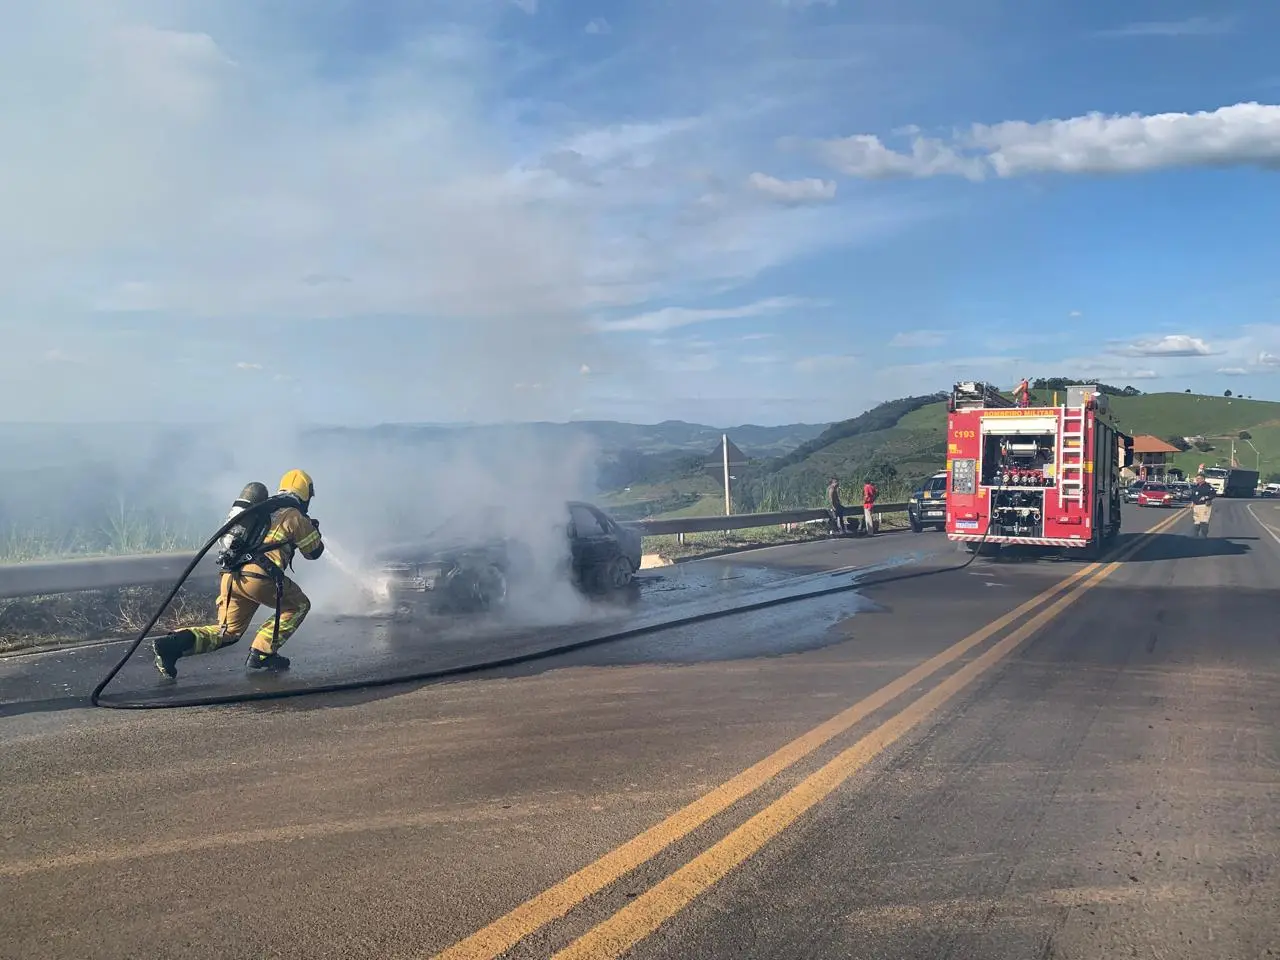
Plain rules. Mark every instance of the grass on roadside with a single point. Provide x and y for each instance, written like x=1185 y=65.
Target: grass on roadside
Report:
x=122 y=531
x=68 y=618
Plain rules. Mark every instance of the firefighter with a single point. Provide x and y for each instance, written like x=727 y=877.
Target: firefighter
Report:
x=834 y=506
x=1201 y=506
x=261 y=581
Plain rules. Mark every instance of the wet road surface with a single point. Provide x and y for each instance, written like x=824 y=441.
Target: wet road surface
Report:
x=986 y=763
x=355 y=649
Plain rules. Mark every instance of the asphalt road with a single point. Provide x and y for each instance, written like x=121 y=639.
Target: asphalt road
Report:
x=1019 y=759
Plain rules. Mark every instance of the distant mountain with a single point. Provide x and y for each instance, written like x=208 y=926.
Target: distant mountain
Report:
x=612 y=436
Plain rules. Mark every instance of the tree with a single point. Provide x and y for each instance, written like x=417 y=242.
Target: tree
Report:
x=1226 y=393
x=1246 y=435
x=1188 y=390
x=1179 y=442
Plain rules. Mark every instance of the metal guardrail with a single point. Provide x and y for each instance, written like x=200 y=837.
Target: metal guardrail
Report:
x=48 y=577
x=747 y=521
x=97 y=573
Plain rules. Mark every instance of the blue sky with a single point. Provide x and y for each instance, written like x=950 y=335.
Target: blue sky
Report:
x=748 y=211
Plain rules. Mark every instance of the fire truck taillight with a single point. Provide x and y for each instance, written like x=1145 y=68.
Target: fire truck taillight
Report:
x=964 y=476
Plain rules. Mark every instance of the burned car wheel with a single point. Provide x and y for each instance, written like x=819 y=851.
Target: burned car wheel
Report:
x=613 y=575
x=473 y=589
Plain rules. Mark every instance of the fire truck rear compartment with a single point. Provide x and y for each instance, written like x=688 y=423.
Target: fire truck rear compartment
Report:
x=1018 y=460
x=1017 y=468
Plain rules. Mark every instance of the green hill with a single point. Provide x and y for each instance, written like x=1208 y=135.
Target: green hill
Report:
x=903 y=441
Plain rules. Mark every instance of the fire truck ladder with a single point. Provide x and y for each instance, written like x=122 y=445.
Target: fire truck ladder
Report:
x=1071 y=456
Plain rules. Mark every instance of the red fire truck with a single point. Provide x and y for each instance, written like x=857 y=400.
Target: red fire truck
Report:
x=1042 y=476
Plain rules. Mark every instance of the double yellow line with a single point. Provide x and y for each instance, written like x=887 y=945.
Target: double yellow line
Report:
x=646 y=913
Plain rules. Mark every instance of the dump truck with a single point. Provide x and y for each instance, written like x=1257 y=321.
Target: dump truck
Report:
x=1045 y=476
x=1232 y=481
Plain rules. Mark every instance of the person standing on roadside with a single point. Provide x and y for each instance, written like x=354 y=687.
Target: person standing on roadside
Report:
x=1201 y=505
x=869 y=522
x=834 y=506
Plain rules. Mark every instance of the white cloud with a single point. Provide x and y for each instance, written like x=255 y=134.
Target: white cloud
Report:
x=461 y=185
x=810 y=190
x=1075 y=313
x=61 y=356
x=130 y=296
x=401 y=186
x=997 y=367
x=693 y=362
x=1190 y=27
x=598 y=25
x=758 y=336
x=528 y=6
x=825 y=361
x=863 y=155
x=1244 y=134
x=670 y=318
x=1174 y=345
x=1139 y=375
x=1233 y=371
x=919 y=339
x=760 y=359
x=1268 y=360
x=245 y=365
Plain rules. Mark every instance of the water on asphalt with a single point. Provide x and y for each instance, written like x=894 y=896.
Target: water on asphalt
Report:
x=376 y=648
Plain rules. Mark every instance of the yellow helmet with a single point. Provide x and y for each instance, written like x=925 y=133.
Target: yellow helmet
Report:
x=298 y=482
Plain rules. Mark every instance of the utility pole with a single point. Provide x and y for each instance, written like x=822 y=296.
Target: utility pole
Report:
x=724 y=445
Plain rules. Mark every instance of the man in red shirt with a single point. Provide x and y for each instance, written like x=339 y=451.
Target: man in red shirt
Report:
x=869 y=522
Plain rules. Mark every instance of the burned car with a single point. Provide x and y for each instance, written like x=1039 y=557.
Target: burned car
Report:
x=453 y=573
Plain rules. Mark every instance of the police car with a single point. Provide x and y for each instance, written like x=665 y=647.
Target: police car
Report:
x=928 y=505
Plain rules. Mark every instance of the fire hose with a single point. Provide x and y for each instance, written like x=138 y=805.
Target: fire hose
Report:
x=274 y=503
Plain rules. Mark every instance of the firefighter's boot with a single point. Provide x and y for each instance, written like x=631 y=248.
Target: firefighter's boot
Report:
x=266 y=661
x=169 y=648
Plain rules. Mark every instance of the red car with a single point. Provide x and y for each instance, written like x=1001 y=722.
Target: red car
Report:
x=1156 y=495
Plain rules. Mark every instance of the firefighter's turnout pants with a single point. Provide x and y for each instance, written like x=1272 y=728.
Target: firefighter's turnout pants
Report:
x=239 y=597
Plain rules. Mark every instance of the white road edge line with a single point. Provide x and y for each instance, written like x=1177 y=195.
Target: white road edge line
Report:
x=1274 y=535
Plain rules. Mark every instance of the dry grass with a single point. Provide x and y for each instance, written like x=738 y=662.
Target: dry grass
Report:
x=69 y=618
